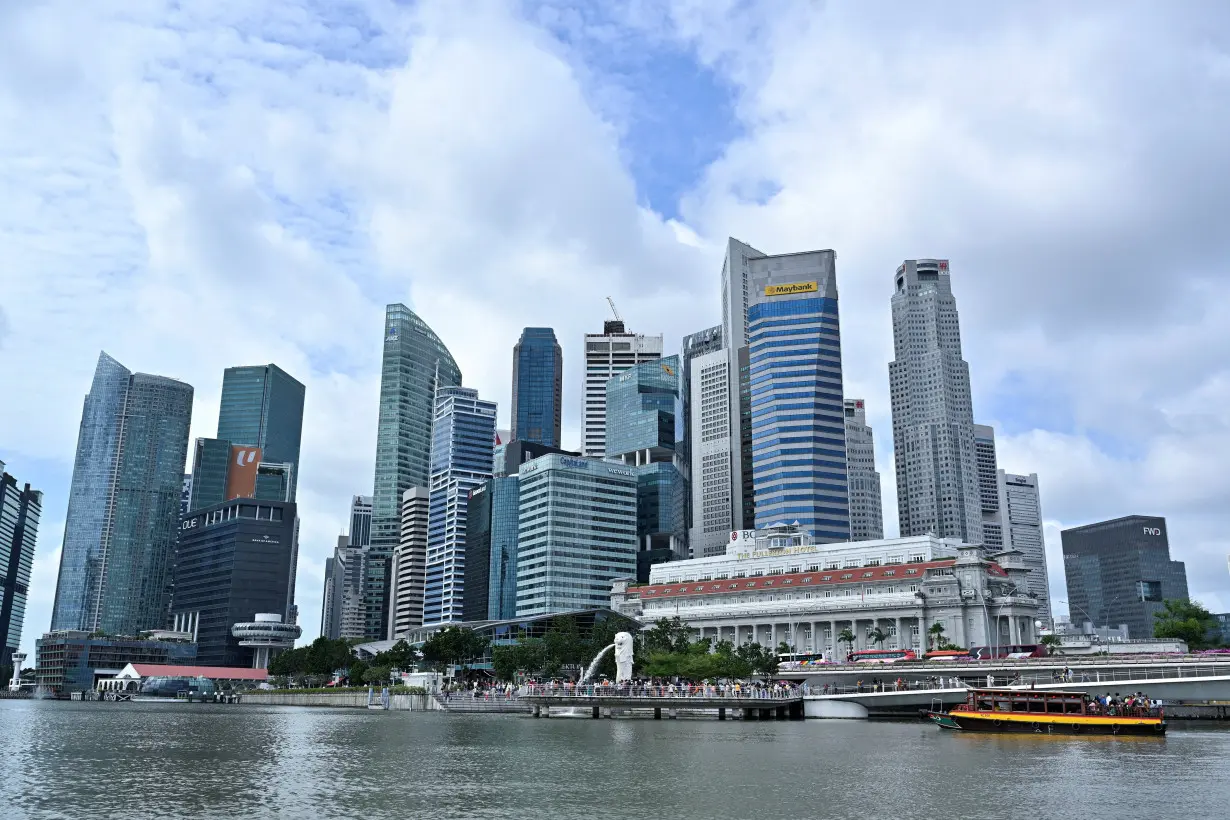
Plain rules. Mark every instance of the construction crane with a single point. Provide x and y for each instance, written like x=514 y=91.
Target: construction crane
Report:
x=611 y=302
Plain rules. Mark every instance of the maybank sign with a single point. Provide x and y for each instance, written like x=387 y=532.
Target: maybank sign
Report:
x=787 y=290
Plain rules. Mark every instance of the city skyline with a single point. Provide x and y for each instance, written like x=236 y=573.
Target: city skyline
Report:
x=1104 y=413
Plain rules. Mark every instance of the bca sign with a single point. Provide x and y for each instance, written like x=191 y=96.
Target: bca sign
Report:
x=1152 y=531
x=743 y=536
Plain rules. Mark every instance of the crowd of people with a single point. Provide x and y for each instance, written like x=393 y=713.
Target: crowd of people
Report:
x=663 y=688
x=1133 y=705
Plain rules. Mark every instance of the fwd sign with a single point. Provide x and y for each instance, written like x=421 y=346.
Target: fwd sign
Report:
x=1153 y=531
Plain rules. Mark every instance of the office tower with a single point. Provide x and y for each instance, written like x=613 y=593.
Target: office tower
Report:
x=538 y=387
x=933 y=417
x=1120 y=572
x=866 y=508
x=716 y=508
x=460 y=462
x=988 y=487
x=185 y=495
x=262 y=406
x=491 y=551
x=408 y=569
x=361 y=521
x=503 y=438
x=643 y=429
x=416 y=363
x=20 y=509
x=235 y=560
x=1020 y=511
x=342 y=614
x=695 y=345
x=331 y=595
x=780 y=316
x=608 y=354
x=123 y=504
x=510 y=457
x=576 y=533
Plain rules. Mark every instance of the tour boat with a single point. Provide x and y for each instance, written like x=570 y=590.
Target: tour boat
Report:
x=1047 y=712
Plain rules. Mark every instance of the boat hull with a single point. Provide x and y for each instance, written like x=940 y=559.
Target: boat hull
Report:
x=1049 y=724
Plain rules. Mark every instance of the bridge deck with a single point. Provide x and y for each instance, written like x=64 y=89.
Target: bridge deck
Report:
x=662 y=701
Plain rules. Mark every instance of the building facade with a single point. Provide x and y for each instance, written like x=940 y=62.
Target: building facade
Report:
x=1120 y=572
x=798 y=432
x=343 y=611
x=933 y=416
x=866 y=505
x=1020 y=511
x=416 y=364
x=409 y=567
x=491 y=551
x=235 y=560
x=510 y=457
x=987 y=465
x=716 y=506
x=461 y=461
x=538 y=387
x=20 y=510
x=262 y=406
x=779 y=585
x=608 y=354
x=577 y=528
x=72 y=660
x=706 y=342
x=123 y=505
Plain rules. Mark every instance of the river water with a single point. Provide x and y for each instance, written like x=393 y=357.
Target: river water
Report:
x=85 y=760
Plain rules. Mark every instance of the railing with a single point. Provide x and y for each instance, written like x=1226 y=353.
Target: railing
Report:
x=666 y=691
x=1018 y=680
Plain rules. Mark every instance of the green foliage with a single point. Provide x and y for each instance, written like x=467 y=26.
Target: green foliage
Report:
x=321 y=658
x=877 y=636
x=936 y=635
x=453 y=646
x=1050 y=641
x=527 y=657
x=1188 y=621
x=377 y=675
x=846 y=637
x=671 y=635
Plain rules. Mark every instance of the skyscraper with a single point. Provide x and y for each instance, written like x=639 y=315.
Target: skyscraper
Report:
x=361 y=521
x=262 y=406
x=1120 y=572
x=491 y=551
x=1020 y=511
x=782 y=313
x=538 y=387
x=576 y=533
x=416 y=363
x=695 y=345
x=933 y=417
x=460 y=462
x=409 y=565
x=643 y=429
x=608 y=354
x=331 y=595
x=20 y=509
x=866 y=507
x=988 y=487
x=123 y=505
x=716 y=508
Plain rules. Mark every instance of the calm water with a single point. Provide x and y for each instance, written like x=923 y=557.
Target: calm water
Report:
x=80 y=760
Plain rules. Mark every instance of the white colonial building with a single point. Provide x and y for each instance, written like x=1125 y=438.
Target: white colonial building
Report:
x=776 y=585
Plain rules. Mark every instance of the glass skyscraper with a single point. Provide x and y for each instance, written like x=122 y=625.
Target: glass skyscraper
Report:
x=798 y=432
x=491 y=551
x=123 y=505
x=461 y=445
x=538 y=387
x=415 y=364
x=20 y=509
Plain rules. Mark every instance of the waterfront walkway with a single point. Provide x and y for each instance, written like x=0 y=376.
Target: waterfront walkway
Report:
x=753 y=702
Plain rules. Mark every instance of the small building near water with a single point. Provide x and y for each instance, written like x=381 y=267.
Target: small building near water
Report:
x=136 y=677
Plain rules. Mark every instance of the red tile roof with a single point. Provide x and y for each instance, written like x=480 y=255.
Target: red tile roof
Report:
x=149 y=670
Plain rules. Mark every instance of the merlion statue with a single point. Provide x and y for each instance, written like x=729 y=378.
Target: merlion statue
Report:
x=623 y=657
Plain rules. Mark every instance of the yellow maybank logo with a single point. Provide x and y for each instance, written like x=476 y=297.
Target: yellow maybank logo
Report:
x=784 y=290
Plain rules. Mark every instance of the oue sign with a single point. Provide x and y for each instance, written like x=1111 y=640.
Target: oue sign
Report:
x=1153 y=531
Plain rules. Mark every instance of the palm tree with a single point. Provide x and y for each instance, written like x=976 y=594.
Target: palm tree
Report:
x=846 y=637
x=877 y=636
x=1050 y=642
x=936 y=633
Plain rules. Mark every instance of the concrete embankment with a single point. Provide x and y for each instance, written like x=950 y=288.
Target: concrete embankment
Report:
x=345 y=700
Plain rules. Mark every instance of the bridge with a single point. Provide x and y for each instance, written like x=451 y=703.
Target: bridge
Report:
x=751 y=704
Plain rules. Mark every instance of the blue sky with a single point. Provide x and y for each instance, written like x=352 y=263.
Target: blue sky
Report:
x=193 y=185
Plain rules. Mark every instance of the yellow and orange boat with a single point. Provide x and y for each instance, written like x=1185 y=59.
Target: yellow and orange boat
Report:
x=1030 y=710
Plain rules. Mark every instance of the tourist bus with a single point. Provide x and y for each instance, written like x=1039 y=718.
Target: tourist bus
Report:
x=947 y=655
x=882 y=655
x=1008 y=651
x=800 y=661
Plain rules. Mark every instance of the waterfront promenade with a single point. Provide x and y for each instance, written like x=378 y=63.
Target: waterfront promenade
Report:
x=753 y=702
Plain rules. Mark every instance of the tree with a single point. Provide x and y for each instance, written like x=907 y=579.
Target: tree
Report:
x=455 y=646
x=668 y=635
x=1050 y=642
x=761 y=659
x=877 y=636
x=936 y=634
x=377 y=675
x=527 y=657
x=1187 y=621
x=846 y=637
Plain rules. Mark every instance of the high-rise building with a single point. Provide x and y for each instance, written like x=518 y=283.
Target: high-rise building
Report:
x=342 y=608
x=1020 y=511
x=576 y=533
x=415 y=365
x=510 y=457
x=866 y=506
x=1120 y=572
x=361 y=521
x=643 y=429
x=933 y=416
x=491 y=551
x=262 y=406
x=736 y=290
x=796 y=415
x=988 y=487
x=185 y=496
x=460 y=462
x=716 y=507
x=223 y=471
x=234 y=560
x=409 y=566
x=20 y=509
x=123 y=505
x=538 y=387
x=702 y=343
x=331 y=595
x=608 y=354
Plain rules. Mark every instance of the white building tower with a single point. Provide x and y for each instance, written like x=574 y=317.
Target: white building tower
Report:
x=1020 y=509
x=866 y=507
x=607 y=354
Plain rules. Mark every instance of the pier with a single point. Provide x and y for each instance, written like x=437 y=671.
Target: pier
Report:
x=607 y=701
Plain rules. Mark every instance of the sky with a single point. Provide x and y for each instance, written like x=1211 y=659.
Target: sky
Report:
x=199 y=184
